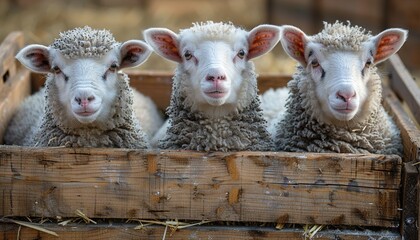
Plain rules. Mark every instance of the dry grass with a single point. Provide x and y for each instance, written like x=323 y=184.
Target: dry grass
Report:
x=42 y=20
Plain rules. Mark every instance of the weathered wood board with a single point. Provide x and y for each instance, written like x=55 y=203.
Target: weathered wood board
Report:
x=11 y=79
x=127 y=231
x=243 y=186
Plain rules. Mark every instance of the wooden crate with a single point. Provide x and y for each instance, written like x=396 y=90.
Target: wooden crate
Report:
x=244 y=194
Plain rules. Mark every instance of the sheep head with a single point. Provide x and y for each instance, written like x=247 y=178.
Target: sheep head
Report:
x=85 y=76
x=214 y=56
x=339 y=63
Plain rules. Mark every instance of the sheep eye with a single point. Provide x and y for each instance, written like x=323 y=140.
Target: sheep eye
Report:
x=187 y=55
x=315 y=63
x=113 y=67
x=368 y=63
x=56 y=70
x=241 y=54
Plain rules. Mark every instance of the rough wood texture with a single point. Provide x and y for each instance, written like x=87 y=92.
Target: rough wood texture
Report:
x=14 y=86
x=8 y=50
x=244 y=186
x=402 y=83
x=409 y=202
x=409 y=132
x=127 y=231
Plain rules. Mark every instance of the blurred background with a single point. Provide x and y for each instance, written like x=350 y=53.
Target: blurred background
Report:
x=42 y=20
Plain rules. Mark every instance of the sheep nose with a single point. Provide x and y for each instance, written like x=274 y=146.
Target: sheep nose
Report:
x=346 y=95
x=84 y=101
x=215 y=75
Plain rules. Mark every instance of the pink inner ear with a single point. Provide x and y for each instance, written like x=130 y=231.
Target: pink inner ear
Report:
x=260 y=43
x=296 y=46
x=135 y=49
x=166 y=45
x=386 y=46
x=38 y=59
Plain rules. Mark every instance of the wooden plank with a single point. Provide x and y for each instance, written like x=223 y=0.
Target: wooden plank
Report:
x=242 y=186
x=158 y=84
x=11 y=96
x=127 y=231
x=409 y=202
x=409 y=132
x=8 y=49
x=402 y=83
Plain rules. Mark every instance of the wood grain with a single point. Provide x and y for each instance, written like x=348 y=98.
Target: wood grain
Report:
x=127 y=231
x=402 y=83
x=409 y=132
x=8 y=49
x=118 y=183
x=11 y=96
x=409 y=202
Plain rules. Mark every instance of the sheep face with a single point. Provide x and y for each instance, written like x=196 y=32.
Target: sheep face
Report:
x=86 y=86
x=215 y=69
x=214 y=56
x=340 y=80
x=340 y=76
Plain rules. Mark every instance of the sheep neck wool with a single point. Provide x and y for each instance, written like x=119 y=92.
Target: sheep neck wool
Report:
x=242 y=129
x=84 y=42
x=122 y=130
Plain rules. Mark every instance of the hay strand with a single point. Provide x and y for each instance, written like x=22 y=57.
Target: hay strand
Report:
x=33 y=226
x=84 y=217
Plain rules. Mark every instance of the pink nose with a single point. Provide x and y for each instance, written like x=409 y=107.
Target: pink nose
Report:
x=84 y=101
x=215 y=74
x=346 y=95
x=215 y=77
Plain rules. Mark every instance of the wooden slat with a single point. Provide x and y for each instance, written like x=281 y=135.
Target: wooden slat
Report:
x=11 y=96
x=8 y=50
x=402 y=83
x=127 y=231
x=156 y=85
x=409 y=132
x=242 y=186
x=409 y=202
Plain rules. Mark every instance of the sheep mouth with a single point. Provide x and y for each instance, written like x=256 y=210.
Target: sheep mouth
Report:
x=216 y=94
x=345 y=111
x=85 y=113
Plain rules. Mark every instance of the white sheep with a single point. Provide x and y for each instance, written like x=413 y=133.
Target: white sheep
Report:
x=335 y=95
x=88 y=102
x=273 y=104
x=214 y=104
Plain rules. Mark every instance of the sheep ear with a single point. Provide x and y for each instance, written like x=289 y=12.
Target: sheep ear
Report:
x=35 y=57
x=164 y=42
x=386 y=43
x=294 y=42
x=262 y=39
x=134 y=53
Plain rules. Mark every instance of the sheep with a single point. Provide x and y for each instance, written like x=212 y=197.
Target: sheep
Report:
x=273 y=106
x=335 y=94
x=147 y=112
x=214 y=104
x=87 y=101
